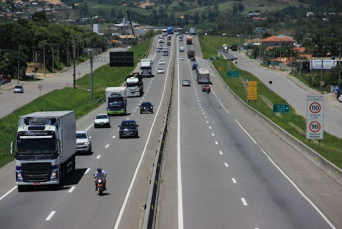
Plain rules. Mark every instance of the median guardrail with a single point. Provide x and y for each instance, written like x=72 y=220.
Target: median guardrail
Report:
x=150 y=207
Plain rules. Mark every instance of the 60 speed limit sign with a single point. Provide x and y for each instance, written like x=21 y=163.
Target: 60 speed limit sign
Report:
x=314 y=117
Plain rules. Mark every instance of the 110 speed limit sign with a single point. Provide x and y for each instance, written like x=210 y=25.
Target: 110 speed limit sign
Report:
x=314 y=117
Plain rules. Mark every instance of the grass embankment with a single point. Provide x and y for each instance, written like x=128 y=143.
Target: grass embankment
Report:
x=330 y=146
x=69 y=99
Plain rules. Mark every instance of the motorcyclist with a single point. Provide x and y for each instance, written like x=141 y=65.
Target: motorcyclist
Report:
x=208 y=89
x=100 y=173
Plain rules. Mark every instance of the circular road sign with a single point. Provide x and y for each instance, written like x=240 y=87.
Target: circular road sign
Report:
x=221 y=68
x=315 y=107
x=40 y=87
x=314 y=126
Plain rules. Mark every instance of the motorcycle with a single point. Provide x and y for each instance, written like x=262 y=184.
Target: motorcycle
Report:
x=100 y=184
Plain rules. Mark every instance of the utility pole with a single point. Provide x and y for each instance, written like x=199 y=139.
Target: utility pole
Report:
x=339 y=64
x=320 y=85
x=18 y=63
x=74 y=55
x=44 y=60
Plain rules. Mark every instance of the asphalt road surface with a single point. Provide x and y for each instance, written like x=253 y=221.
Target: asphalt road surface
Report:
x=225 y=169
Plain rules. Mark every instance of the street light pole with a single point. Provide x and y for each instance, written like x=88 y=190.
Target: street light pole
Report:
x=18 y=63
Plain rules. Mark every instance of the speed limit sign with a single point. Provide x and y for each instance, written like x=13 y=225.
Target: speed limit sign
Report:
x=314 y=117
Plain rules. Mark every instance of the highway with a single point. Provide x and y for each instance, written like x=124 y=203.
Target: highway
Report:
x=230 y=171
x=223 y=168
x=127 y=162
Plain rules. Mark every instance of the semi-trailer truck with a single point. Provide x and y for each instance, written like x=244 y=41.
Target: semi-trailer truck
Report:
x=170 y=30
x=134 y=85
x=116 y=99
x=191 y=53
x=146 y=68
x=44 y=149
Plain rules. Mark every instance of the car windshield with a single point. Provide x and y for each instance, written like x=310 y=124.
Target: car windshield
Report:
x=81 y=135
x=128 y=124
x=101 y=116
x=146 y=104
x=18 y=87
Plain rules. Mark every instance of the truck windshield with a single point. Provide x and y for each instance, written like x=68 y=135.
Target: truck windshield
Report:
x=28 y=143
x=133 y=85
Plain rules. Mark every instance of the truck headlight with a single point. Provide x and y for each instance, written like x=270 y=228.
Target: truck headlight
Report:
x=54 y=174
x=18 y=175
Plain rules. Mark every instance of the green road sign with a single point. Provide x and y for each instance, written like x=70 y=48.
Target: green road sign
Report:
x=233 y=73
x=282 y=108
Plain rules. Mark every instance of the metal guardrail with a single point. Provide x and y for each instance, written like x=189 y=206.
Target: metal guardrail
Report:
x=326 y=166
x=149 y=218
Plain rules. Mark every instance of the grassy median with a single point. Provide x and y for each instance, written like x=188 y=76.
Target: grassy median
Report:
x=330 y=147
x=69 y=99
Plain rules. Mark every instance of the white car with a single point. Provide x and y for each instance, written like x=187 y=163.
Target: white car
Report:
x=186 y=83
x=83 y=142
x=161 y=40
x=101 y=120
x=162 y=62
x=181 y=58
x=160 y=71
x=340 y=98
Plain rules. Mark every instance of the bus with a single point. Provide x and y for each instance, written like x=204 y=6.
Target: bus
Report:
x=164 y=32
x=203 y=76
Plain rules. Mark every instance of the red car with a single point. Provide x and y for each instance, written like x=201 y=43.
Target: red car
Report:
x=205 y=88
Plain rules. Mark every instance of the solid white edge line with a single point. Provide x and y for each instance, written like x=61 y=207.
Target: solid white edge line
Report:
x=179 y=169
x=50 y=215
x=219 y=100
x=7 y=193
x=283 y=173
x=117 y=223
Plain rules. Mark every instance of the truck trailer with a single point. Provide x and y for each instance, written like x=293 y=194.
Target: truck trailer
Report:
x=116 y=99
x=191 y=53
x=189 y=40
x=193 y=31
x=134 y=85
x=146 y=68
x=44 y=149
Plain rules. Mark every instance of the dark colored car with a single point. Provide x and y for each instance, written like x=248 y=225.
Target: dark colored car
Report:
x=146 y=107
x=128 y=128
x=194 y=66
x=169 y=43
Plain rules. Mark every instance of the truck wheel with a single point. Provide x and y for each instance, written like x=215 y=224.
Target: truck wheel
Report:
x=21 y=188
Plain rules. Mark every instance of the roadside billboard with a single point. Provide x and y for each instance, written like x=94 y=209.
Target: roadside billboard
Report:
x=327 y=64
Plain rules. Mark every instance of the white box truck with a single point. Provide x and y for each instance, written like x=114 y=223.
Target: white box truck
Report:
x=116 y=99
x=44 y=148
x=193 y=31
x=146 y=67
x=165 y=51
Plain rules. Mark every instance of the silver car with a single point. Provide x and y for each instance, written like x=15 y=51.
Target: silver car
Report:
x=186 y=83
x=18 y=89
x=83 y=142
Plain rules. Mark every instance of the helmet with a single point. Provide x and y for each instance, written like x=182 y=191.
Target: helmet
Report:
x=99 y=170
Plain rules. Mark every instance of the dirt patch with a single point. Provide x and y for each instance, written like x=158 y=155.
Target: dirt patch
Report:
x=144 y=4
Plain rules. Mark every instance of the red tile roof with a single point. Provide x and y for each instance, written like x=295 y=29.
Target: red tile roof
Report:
x=276 y=39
